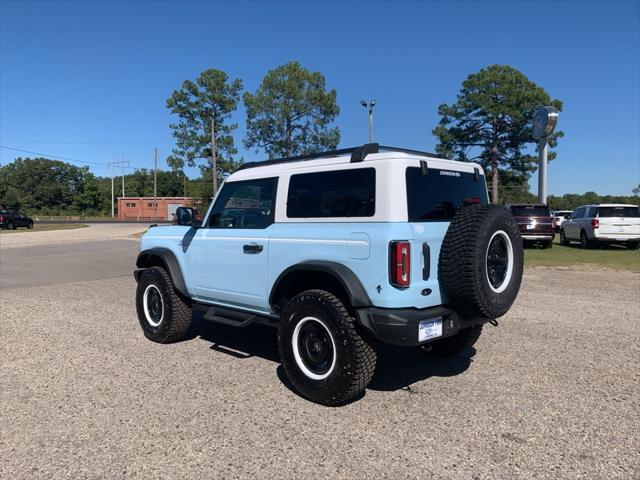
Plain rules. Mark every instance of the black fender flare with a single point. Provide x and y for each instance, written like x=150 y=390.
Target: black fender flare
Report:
x=148 y=258
x=344 y=275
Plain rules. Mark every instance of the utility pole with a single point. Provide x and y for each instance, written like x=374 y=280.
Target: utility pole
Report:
x=122 y=165
x=112 y=166
x=214 y=160
x=155 y=182
x=370 y=105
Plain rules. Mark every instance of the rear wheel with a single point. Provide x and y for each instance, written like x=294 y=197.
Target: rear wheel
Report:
x=11 y=226
x=548 y=244
x=30 y=225
x=163 y=315
x=584 y=240
x=633 y=245
x=322 y=353
x=447 y=347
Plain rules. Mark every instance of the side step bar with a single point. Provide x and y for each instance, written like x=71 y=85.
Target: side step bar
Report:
x=234 y=318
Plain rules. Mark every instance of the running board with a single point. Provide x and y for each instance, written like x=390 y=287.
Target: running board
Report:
x=233 y=318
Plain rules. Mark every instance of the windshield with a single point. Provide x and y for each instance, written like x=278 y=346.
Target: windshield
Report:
x=530 y=211
x=604 y=212
x=439 y=194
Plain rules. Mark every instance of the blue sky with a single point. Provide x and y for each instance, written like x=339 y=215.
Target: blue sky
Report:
x=89 y=80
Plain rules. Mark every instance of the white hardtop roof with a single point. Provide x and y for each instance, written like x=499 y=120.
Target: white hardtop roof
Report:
x=275 y=169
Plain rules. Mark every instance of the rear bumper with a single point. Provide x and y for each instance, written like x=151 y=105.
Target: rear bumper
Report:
x=537 y=236
x=616 y=238
x=399 y=326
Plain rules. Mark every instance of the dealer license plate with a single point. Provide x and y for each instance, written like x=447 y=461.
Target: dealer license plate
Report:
x=428 y=329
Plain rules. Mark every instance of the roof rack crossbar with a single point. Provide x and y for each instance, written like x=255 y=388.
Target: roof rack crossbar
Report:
x=358 y=154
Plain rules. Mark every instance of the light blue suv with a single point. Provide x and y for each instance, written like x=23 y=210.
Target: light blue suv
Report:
x=339 y=251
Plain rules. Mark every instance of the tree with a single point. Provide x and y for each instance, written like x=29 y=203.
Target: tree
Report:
x=201 y=105
x=490 y=123
x=636 y=191
x=290 y=113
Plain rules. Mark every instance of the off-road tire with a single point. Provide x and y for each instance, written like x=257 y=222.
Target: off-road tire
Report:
x=447 y=347
x=355 y=357
x=177 y=313
x=463 y=265
x=563 y=239
x=633 y=245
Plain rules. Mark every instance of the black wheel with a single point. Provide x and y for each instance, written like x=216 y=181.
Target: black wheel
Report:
x=563 y=239
x=548 y=244
x=633 y=245
x=447 y=347
x=323 y=355
x=584 y=240
x=11 y=226
x=30 y=225
x=481 y=261
x=163 y=315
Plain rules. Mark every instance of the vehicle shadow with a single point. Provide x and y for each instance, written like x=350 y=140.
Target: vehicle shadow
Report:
x=397 y=368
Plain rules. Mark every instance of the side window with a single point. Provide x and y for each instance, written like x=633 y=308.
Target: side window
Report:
x=578 y=213
x=340 y=193
x=593 y=212
x=246 y=204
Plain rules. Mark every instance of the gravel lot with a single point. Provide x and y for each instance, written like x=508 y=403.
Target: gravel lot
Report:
x=553 y=392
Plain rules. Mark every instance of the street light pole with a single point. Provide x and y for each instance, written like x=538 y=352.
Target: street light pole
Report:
x=369 y=106
x=543 y=124
x=542 y=174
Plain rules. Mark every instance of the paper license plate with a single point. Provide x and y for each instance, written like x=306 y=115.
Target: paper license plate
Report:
x=428 y=329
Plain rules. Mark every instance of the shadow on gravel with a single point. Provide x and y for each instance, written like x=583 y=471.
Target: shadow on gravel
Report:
x=397 y=368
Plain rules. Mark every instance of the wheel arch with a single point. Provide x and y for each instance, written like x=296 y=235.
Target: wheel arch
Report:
x=165 y=258
x=318 y=274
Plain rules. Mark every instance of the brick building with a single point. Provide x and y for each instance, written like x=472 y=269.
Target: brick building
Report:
x=149 y=208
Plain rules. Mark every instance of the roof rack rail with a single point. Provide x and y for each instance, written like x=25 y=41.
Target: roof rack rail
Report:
x=358 y=154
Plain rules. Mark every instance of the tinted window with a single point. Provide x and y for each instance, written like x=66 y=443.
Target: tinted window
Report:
x=618 y=212
x=530 y=211
x=439 y=194
x=592 y=212
x=341 y=193
x=248 y=204
x=578 y=213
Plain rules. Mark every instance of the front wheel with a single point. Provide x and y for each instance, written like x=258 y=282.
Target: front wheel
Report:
x=563 y=239
x=322 y=353
x=30 y=225
x=633 y=245
x=163 y=315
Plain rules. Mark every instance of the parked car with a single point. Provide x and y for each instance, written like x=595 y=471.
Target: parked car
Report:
x=560 y=216
x=604 y=223
x=12 y=220
x=339 y=251
x=535 y=222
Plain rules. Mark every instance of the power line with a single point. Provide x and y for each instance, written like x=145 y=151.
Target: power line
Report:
x=85 y=142
x=56 y=157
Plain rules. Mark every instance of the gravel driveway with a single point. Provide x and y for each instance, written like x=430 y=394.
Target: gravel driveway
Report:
x=553 y=392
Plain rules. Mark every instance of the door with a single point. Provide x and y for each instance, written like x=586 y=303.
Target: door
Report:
x=228 y=256
x=572 y=230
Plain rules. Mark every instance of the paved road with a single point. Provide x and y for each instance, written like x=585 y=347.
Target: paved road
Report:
x=551 y=393
x=63 y=263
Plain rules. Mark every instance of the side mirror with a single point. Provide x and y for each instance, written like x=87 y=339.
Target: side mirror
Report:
x=186 y=216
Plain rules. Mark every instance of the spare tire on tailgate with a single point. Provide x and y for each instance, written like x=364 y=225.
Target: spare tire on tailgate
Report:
x=481 y=261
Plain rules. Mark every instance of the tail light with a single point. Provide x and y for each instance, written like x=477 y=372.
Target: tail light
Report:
x=1 y=218
x=400 y=263
x=595 y=223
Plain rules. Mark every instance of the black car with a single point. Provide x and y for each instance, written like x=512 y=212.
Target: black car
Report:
x=12 y=220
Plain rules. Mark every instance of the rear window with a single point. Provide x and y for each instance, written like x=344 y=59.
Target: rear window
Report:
x=439 y=194
x=340 y=193
x=618 y=212
x=530 y=211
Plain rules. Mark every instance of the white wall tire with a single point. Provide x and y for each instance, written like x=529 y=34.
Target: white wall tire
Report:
x=305 y=358
x=153 y=305
x=499 y=285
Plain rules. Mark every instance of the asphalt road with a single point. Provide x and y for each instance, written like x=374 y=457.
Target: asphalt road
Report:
x=553 y=392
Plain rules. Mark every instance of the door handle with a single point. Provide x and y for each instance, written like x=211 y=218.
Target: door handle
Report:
x=252 y=248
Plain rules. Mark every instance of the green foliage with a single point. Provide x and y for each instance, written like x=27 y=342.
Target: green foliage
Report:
x=490 y=123
x=211 y=96
x=636 y=191
x=570 y=201
x=290 y=113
